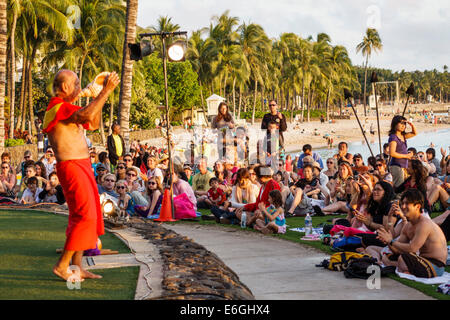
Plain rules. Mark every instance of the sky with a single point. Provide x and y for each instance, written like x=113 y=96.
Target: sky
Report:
x=415 y=34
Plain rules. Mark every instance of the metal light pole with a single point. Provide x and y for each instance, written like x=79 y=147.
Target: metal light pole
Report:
x=164 y=36
x=348 y=96
x=409 y=92
x=374 y=80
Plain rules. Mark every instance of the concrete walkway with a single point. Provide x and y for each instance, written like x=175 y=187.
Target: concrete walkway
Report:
x=276 y=269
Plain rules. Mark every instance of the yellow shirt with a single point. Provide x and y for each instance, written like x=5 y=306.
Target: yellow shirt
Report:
x=118 y=144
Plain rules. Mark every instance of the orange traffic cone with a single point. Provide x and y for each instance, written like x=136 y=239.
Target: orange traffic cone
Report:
x=165 y=214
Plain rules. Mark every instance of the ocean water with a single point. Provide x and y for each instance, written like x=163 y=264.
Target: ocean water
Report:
x=439 y=137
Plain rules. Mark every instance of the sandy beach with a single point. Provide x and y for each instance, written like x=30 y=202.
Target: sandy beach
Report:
x=339 y=130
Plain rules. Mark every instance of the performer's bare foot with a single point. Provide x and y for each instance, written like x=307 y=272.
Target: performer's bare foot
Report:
x=89 y=275
x=63 y=273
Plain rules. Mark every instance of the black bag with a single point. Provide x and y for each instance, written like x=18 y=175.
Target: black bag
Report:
x=358 y=268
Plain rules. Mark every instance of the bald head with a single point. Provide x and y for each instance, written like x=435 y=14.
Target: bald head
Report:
x=66 y=85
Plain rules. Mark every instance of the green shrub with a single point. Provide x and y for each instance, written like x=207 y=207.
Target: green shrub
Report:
x=14 y=142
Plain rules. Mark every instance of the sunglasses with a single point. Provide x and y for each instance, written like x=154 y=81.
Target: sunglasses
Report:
x=5 y=167
x=120 y=167
x=109 y=180
x=152 y=183
x=272 y=105
x=128 y=160
x=131 y=175
x=330 y=162
x=121 y=187
x=378 y=165
x=27 y=157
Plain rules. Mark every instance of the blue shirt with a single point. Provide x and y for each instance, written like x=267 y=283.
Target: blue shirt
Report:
x=315 y=156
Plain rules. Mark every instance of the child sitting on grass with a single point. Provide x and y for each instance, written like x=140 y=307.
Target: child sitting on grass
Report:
x=216 y=195
x=31 y=193
x=274 y=220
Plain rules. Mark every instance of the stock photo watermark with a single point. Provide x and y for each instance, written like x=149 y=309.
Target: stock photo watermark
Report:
x=74 y=281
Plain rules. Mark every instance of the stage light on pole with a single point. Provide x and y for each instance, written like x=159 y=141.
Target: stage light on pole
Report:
x=140 y=50
x=177 y=51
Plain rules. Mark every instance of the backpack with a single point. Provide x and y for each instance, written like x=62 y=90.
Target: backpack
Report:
x=346 y=244
x=340 y=260
x=357 y=268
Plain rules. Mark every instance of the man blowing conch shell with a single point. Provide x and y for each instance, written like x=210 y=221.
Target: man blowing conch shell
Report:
x=64 y=124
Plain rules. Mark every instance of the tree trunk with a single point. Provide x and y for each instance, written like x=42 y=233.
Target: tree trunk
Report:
x=22 y=98
x=234 y=97
x=12 y=77
x=262 y=98
x=111 y=113
x=32 y=128
x=254 y=102
x=292 y=108
x=280 y=103
x=3 y=58
x=326 y=104
x=240 y=102
x=102 y=129
x=23 y=108
x=309 y=103
x=205 y=113
x=127 y=72
x=365 y=83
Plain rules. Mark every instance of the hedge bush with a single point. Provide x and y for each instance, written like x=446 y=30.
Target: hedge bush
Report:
x=14 y=142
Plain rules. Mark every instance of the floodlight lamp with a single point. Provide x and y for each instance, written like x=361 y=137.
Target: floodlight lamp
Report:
x=177 y=51
x=108 y=207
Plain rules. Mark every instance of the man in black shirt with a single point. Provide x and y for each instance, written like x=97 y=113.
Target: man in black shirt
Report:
x=277 y=117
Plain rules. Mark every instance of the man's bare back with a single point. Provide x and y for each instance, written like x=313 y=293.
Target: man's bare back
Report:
x=435 y=245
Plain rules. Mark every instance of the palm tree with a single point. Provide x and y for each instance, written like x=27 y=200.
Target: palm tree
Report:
x=201 y=53
x=256 y=48
x=127 y=71
x=37 y=20
x=371 y=43
x=15 y=8
x=3 y=56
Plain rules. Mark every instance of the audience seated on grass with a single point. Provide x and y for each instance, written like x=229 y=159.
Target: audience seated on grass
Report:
x=53 y=192
x=31 y=192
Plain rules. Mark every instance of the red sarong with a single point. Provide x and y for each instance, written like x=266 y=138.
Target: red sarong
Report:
x=85 y=215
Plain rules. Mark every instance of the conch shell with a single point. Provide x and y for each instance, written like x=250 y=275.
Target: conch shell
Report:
x=94 y=88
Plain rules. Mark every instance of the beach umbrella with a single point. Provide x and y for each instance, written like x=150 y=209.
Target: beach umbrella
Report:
x=348 y=96
x=374 y=80
x=409 y=92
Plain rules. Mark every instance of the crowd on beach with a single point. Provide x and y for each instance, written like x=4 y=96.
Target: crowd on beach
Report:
x=387 y=198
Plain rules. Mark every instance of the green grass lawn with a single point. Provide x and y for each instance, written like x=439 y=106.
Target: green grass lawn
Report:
x=297 y=222
x=28 y=243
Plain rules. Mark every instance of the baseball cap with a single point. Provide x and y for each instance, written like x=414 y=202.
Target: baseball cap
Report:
x=308 y=159
x=316 y=165
x=100 y=166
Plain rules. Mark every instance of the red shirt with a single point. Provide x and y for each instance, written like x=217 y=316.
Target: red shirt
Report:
x=215 y=194
x=263 y=196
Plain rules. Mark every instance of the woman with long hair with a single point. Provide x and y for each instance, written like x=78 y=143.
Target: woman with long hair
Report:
x=378 y=206
x=222 y=122
x=7 y=181
x=154 y=194
x=398 y=148
x=417 y=179
x=41 y=170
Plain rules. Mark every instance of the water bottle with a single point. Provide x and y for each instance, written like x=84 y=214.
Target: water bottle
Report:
x=308 y=225
x=244 y=220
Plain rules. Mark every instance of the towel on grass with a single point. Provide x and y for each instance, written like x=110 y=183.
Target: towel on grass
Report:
x=318 y=231
x=436 y=280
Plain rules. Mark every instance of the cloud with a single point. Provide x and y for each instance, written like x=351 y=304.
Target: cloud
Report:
x=415 y=33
